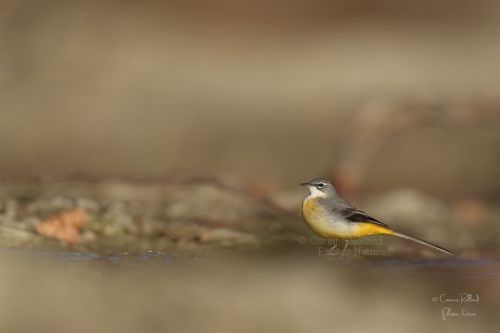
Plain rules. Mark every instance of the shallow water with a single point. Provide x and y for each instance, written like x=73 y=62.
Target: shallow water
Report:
x=456 y=267
x=453 y=266
x=48 y=291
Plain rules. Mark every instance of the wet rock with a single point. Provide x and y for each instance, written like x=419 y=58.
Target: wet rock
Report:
x=49 y=206
x=10 y=210
x=183 y=230
x=90 y=206
x=226 y=208
x=14 y=237
x=211 y=203
x=117 y=221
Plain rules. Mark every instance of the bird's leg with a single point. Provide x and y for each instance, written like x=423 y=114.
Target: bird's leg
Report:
x=345 y=247
x=333 y=247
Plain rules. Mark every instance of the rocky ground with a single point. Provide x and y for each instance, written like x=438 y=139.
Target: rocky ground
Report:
x=197 y=215
x=128 y=216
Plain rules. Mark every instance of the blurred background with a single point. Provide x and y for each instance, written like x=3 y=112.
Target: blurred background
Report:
x=261 y=90
x=185 y=127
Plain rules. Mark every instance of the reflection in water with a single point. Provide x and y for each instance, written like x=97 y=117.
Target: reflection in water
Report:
x=458 y=267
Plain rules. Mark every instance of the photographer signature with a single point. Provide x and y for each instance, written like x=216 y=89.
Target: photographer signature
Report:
x=462 y=299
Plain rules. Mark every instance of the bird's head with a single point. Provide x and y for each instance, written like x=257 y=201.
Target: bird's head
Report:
x=320 y=187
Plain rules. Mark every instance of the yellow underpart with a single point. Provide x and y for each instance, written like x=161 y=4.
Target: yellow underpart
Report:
x=309 y=206
x=317 y=220
x=370 y=229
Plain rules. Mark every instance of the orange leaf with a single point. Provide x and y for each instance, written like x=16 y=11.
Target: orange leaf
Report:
x=64 y=226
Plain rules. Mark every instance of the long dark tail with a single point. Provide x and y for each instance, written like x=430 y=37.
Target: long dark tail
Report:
x=420 y=241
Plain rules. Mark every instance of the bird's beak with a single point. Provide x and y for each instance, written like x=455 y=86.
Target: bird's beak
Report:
x=305 y=184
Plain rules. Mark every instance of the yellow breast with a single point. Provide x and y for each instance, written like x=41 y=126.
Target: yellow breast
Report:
x=308 y=207
x=317 y=219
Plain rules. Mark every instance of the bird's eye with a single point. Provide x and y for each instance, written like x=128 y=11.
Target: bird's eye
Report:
x=320 y=185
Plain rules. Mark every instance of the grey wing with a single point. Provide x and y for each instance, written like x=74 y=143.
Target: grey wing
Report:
x=355 y=215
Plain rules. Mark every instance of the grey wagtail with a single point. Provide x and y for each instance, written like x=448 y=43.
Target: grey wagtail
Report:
x=330 y=216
